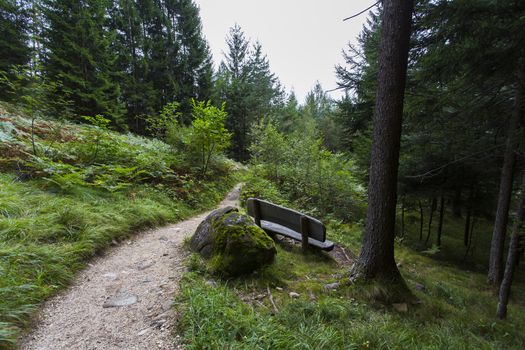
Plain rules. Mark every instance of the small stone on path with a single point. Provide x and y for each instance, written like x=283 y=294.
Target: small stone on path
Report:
x=294 y=295
x=111 y=276
x=143 y=332
x=143 y=265
x=123 y=299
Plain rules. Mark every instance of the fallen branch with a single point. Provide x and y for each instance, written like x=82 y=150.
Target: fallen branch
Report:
x=275 y=310
x=344 y=252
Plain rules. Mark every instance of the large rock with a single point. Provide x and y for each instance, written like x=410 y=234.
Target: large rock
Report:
x=233 y=244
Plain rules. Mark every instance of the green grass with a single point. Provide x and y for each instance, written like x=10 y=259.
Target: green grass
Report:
x=46 y=237
x=455 y=310
x=63 y=206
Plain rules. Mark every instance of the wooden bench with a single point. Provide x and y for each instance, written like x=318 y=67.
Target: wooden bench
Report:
x=275 y=219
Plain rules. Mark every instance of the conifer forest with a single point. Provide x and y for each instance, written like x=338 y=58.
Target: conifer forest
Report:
x=155 y=194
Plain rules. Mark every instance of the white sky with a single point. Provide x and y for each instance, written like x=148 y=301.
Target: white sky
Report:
x=303 y=39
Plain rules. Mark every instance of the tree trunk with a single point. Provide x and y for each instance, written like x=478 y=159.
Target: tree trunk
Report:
x=512 y=257
x=505 y=187
x=467 y=227
x=420 y=221
x=376 y=260
x=402 y=217
x=470 y=235
x=433 y=206
x=456 y=203
x=441 y=217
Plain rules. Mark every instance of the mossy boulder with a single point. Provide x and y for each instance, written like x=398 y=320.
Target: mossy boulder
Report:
x=232 y=243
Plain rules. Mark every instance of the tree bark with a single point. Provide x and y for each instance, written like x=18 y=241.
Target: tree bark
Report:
x=420 y=221
x=433 y=206
x=456 y=203
x=470 y=235
x=402 y=217
x=441 y=217
x=512 y=257
x=467 y=227
x=505 y=188
x=376 y=260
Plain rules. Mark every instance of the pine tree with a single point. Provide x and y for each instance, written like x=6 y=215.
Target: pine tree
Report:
x=248 y=87
x=233 y=87
x=194 y=64
x=125 y=21
x=14 y=49
x=163 y=56
x=376 y=260
x=77 y=55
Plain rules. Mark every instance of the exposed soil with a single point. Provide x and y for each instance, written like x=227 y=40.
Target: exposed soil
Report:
x=123 y=299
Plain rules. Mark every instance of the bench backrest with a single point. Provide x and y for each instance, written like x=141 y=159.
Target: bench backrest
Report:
x=286 y=217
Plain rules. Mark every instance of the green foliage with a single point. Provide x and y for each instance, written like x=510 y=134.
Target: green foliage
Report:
x=259 y=187
x=311 y=176
x=78 y=54
x=99 y=121
x=207 y=136
x=247 y=86
x=14 y=19
x=162 y=57
x=157 y=126
x=31 y=93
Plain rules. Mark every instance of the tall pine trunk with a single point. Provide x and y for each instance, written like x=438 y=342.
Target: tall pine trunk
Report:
x=376 y=260
x=505 y=188
x=512 y=257
x=433 y=206
x=402 y=217
x=441 y=217
x=466 y=232
x=421 y=221
x=456 y=203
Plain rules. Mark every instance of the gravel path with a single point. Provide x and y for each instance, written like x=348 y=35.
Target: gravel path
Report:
x=123 y=299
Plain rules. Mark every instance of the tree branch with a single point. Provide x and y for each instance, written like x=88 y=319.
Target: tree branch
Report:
x=357 y=14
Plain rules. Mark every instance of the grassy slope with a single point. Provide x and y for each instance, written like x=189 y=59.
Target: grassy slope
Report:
x=456 y=309
x=71 y=205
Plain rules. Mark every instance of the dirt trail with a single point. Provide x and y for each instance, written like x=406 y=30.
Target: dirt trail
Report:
x=123 y=299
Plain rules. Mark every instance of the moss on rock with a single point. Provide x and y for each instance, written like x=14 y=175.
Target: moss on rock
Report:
x=234 y=244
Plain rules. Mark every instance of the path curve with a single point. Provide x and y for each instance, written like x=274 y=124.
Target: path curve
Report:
x=142 y=274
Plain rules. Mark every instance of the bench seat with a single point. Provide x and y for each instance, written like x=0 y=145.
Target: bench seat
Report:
x=285 y=231
x=276 y=219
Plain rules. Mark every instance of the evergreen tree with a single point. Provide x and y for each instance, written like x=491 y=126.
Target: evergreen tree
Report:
x=163 y=57
x=250 y=90
x=288 y=116
x=194 y=68
x=137 y=94
x=14 y=49
x=77 y=43
x=376 y=260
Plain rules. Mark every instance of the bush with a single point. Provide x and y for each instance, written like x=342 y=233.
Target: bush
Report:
x=311 y=176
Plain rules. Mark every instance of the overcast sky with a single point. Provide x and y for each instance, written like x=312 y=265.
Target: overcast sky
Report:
x=303 y=39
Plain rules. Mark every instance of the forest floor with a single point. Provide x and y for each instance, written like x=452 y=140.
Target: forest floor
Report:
x=306 y=301
x=123 y=299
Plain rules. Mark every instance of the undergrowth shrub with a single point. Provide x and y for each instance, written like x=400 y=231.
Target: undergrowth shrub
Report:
x=312 y=177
